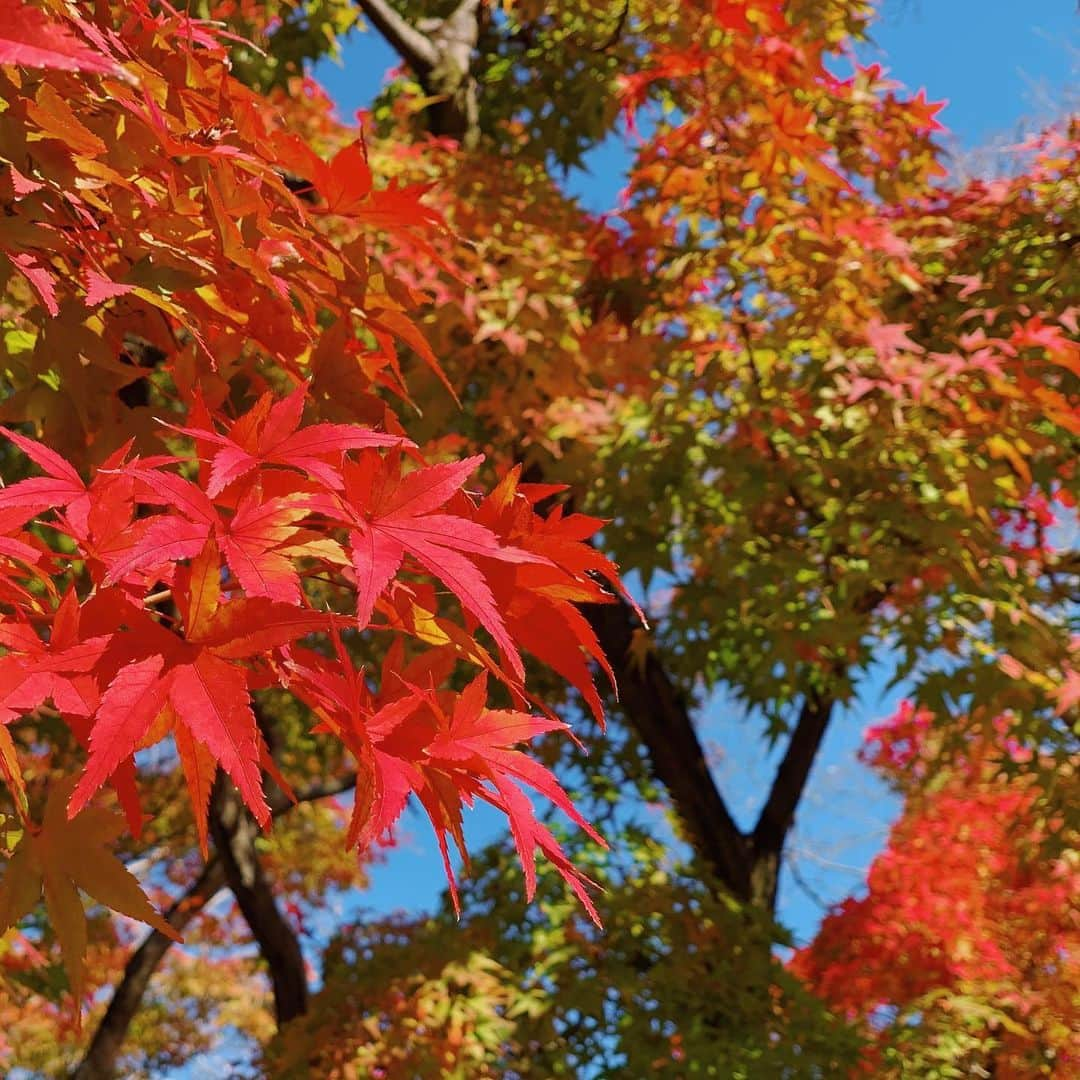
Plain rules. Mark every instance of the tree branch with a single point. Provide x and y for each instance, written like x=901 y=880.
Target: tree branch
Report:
x=616 y=32
x=235 y=832
x=99 y=1062
x=658 y=711
x=789 y=783
x=778 y=813
x=440 y=53
x=415 y=48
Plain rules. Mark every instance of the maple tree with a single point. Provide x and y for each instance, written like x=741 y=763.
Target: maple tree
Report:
x=148 y=604
x=315 y=428
x=982 y=953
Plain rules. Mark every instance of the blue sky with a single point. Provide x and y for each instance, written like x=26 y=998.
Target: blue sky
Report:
x=1001 y=65
x=997 y=62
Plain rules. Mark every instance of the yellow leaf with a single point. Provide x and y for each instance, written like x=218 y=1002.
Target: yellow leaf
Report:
x=1000 y=447
x=57 y=120
x=638 y=652
x=61 y=858
x=11 y=772
x=213 y=299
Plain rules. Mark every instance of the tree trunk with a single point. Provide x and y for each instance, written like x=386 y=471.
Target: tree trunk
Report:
x=99 y=1063
x=440 y=54
x=235 y=832
x=657 y=710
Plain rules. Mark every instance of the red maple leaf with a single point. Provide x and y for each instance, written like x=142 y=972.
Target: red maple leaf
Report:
x=60 y=486
x=61 y=670
x=259 y=541
x=28 y=677
x=270 y=433
x=390 y=516
x=447 y=750
x=256 y=543
x=94 y=516
x=197 y=675
x=539 y=600
x=30 y=39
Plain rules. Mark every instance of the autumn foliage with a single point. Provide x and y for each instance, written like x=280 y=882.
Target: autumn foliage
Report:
x=319 y=440
x=150 y=601
x=983 y=953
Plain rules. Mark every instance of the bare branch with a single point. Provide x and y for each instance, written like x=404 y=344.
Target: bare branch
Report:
x=658 y=711
x=99 y=1062
x=415 y=48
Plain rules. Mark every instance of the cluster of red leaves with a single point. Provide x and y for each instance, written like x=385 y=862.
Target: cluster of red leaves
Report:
x=276 y=502
x=961 y=902
x=152 y=189
x=147 y=200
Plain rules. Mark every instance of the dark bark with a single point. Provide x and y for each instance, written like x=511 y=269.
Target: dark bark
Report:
x=658 y=711
x=778 y=814
x=235 y=832
x=99 y=1063
x=440 y=53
